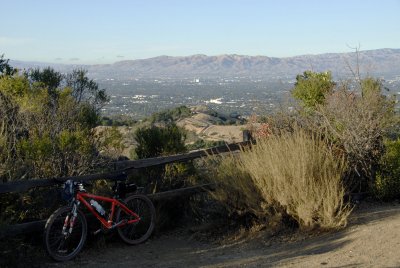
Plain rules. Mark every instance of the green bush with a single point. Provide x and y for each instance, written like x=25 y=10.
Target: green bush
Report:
x=47 y=122
x=310 y=88
x=46 y=128
x=170 y=115
x=387 y=184
x=157 y=141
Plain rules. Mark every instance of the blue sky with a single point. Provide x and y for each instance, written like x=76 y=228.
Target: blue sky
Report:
x=97 y=31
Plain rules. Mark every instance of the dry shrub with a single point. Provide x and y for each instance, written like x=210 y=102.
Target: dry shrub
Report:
x=357 y=124
x=353 y=121
x=235 y=188
x=258 y=129
x=300 y=174
x=291 y=173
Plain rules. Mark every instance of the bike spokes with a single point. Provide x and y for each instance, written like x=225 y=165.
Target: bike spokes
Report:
x=137 y=232
x=64 y=243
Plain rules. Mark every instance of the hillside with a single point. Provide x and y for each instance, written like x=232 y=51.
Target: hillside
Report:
x=202 y=123
x=376 y=62
x=209 y=126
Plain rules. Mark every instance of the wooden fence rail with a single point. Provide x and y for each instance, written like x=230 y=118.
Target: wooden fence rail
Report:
x=37 y=226
x=124 y=168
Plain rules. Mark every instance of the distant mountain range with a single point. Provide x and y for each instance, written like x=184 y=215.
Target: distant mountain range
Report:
x=379 y=62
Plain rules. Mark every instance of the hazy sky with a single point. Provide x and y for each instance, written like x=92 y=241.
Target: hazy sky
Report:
x=97 y=31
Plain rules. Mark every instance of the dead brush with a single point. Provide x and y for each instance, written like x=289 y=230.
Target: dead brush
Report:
x=292 y=174
x=235 y=190
x=296 y=171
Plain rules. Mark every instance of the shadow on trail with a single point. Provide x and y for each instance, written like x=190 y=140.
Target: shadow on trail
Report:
x=181 y=251
x=279 y=252
x=369 y=213
x=286 y=252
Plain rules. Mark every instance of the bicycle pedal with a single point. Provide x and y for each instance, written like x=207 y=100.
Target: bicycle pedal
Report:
x=96 y=232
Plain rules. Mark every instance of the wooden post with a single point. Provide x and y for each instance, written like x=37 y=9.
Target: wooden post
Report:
x=247 y=135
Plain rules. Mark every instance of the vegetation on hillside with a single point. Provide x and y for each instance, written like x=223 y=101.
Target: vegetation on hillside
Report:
x=291 y=175
x=154 y=141
x=47 y=122
x=338 y=140
x=311 y=88
x=354 y=122
x=341 y=139
x=170 y=115
x=387 y=185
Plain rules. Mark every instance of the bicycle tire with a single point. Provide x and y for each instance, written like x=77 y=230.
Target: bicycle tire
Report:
x=140 y=231
x=54 y=239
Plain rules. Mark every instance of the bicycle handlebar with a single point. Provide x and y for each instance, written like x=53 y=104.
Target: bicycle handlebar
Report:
x=60 y=181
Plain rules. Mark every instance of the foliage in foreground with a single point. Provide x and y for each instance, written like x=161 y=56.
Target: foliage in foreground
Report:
x=354 y=117
x=162 y=140
x=47 y=122
x=310 y=88
x=387 y=185
x=292 y=174
x=46 y=129
x=357 y=125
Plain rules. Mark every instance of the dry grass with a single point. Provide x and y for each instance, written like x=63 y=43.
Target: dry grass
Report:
x=236 y=190
x=293 y=172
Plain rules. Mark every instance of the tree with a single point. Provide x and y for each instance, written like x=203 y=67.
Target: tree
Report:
x=356 y=124
x=311 y=88
x=156 y=141
x=46 y=130
x=48 y=78
x=85 y=89
x=5 y=68
x=10 y=131
x=370 y=86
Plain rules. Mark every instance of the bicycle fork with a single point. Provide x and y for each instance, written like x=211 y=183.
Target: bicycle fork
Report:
x=70 y=220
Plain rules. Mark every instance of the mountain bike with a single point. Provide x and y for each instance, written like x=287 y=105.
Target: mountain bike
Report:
x=66 y=229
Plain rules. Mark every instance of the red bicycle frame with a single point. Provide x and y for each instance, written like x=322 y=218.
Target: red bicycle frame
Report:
x=80 y=196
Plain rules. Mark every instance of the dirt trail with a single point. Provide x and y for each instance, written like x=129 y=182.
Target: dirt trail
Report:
x=372 y=239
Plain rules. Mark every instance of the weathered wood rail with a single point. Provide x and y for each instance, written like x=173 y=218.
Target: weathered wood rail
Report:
x=124 y=168
x=36 y=226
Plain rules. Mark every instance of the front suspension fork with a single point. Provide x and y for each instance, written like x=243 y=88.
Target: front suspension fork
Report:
x=70 y=220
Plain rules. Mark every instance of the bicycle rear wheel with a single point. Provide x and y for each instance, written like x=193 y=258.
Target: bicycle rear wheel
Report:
x=140 y=231
x=64 y=247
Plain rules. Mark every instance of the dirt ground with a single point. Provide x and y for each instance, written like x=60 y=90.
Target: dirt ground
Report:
x=372 y=239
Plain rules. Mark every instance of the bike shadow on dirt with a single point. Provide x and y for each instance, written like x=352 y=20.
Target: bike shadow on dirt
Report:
x=264 y=250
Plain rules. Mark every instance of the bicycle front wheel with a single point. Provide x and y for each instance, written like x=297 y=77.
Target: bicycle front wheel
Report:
x=60 y=245
x=140 y=231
